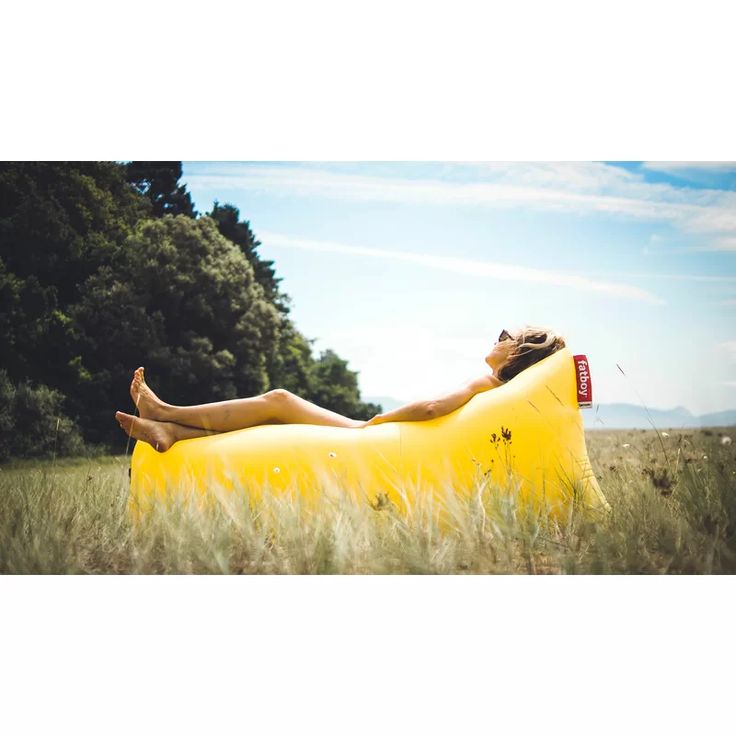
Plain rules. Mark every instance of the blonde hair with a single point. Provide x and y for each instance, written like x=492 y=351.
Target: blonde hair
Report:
x=532 y=345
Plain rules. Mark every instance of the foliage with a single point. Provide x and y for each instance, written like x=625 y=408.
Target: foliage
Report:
x=32 y=422
x=239 y=232
x=158 y=181
x=181 y=300
x=337 y=387
x=325 y=381
x=290 y=365
x=106 y=266
x=59 y=223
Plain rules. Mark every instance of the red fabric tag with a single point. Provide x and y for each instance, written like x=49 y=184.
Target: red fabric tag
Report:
x=585 y=387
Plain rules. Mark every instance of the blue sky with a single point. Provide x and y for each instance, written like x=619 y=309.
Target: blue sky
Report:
x=410 y=270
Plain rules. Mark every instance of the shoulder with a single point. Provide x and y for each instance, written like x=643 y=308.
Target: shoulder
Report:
x=484 y=383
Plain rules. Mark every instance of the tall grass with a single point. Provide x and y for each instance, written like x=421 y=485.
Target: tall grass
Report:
x=668 y=515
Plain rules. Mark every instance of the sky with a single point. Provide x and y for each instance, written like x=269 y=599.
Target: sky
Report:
x=409 y=270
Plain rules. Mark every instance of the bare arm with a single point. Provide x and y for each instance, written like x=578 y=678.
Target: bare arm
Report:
x=454 y=400
x=415 y=412
x=422 y=410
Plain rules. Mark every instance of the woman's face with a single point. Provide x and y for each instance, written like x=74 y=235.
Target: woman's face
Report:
x=500 y=352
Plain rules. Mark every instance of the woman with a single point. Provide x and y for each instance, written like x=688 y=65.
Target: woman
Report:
x=161 y=424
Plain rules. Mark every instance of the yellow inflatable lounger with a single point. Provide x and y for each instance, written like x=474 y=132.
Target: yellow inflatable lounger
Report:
x=525 y=437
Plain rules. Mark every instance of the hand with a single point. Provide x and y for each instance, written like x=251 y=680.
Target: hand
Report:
x=375 y=420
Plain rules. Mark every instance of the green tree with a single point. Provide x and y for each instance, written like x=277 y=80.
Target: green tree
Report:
x=106 y=266
x=239 y=232
x=59 y=223
x=33 y=423
x=292 y=365
x=336 y=387
x=158 y=181
x=183 y=301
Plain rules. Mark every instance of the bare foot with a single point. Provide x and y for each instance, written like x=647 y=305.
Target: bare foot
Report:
x=149 y=405
x=158 y=434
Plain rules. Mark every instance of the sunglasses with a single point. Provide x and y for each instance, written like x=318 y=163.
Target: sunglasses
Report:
x=504 y=336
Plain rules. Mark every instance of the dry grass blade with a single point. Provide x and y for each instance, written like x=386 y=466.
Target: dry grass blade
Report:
x=70 y=516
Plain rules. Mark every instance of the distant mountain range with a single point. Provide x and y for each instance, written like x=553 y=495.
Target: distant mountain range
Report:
x=632 y=416
x=622 y=416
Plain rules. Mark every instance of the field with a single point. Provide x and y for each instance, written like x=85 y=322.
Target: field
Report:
x=672 y=497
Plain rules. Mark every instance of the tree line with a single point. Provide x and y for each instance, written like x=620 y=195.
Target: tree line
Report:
x=105 y=266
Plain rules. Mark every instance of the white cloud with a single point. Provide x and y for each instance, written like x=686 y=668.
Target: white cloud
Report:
x=677 y=277
x=579 y=176
x=420 y=362
x=468 y=267
x=678 y=167
x=727 y=303
x=730 y=347
x=581 y=188
x=719 y=244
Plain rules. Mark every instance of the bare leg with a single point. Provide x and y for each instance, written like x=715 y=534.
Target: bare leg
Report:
x=293 y=409
x=278 y=406
x=160 y=435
